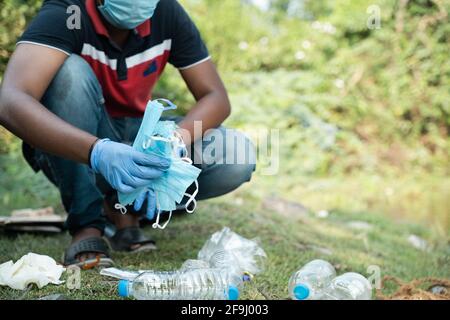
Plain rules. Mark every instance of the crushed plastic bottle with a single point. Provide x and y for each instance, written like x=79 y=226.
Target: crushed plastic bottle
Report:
x=193 y=284
x=226 y=249
x=311 y=280
x=223 y=259
x=349 y=286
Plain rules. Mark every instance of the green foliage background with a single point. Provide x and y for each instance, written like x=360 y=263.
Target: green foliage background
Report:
x=365 y=110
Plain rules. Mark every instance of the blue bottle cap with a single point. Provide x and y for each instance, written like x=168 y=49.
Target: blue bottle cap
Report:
x=301 y=292
x=123 y=288
x=233 y=293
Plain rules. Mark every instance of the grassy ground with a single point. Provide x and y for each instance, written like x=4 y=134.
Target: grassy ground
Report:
x=290 y=236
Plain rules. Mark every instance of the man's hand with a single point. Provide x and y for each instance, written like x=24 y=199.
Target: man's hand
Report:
x=125 y=168
x=148 y=195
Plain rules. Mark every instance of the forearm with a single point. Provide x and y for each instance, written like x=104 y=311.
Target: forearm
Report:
x=31 y=121
x=211 y=111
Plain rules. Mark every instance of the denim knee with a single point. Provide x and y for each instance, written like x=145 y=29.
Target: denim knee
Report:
x=242 y=172
x=244 y=150
x=220 y=179
x=75 y=95
x=227 y=172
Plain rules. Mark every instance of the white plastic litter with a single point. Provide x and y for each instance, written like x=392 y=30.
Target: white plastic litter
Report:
x=322 y=214
x=418 y=243
x=359 y=225
x=31 y=268
x=227 y=249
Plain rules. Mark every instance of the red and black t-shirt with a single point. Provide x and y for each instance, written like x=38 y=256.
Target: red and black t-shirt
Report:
x=127 y=75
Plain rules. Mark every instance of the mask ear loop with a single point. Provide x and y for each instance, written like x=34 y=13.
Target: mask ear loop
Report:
x=192 y=199
x=156 y=225
x=177 y=140
x=186 y=159
x=121 y=208
x=171 y=105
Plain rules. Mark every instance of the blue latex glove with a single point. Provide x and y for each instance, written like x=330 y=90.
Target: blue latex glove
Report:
x=125 y=168
x=148 y=195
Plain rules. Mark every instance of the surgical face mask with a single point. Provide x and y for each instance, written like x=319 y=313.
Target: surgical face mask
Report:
x=161 y=138
x=128 y=14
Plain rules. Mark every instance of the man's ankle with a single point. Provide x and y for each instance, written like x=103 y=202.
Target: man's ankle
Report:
x=121 y=221
x=86 y=233
x=125 y=221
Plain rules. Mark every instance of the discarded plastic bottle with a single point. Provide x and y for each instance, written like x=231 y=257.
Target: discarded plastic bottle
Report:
x=226 y=260
x=195 y=284
x=222 y=258
x=229 y=250
x=349 y=286
x=311 y=280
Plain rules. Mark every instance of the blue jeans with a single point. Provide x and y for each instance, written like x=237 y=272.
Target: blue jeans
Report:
x=75 y=96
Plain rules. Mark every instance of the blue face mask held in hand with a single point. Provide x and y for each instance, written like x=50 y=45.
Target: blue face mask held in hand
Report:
x=159 y=138
x=127 y=14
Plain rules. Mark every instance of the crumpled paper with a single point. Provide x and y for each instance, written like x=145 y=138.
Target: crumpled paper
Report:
x=31 y=268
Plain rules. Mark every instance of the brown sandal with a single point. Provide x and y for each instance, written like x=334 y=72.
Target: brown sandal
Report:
x=124 y=239
x=90 y=245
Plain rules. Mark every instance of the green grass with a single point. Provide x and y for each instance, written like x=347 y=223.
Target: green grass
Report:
x=290 y=239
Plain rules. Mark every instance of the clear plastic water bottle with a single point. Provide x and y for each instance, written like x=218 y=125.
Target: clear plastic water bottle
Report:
x=194 y=284
x=349 y=286
x=311 y=280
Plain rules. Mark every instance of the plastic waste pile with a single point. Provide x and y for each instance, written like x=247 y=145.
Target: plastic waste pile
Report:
x=224 y=263
x=317 y=280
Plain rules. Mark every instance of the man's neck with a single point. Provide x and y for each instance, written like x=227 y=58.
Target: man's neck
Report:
x=118 y=36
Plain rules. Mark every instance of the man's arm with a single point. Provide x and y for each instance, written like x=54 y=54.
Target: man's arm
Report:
x=29 y=73
x=27 y=77
x=213 y=105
